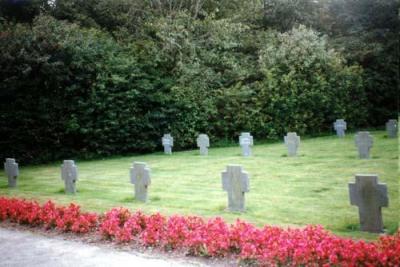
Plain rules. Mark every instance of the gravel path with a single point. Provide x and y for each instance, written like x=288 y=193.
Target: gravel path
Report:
x=24 y=248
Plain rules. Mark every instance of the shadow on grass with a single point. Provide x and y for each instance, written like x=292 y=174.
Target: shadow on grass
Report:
x=155 y=198
x=221 y=208
x=132 y=199
x=355 y=227
x=224 y=209
x=350 y=227
x=128 y=199
x=321 y=190
x=298 y=156
x=60 y=191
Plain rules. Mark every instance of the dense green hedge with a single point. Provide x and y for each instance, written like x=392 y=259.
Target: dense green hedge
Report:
x=68 y=91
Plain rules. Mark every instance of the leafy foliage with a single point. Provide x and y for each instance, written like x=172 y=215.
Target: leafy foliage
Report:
x=367 y=32
x=102 y=77
x=68 y=90
x=307 y=85
x=22 y=10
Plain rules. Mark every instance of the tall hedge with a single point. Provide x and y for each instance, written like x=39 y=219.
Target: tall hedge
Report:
x=69 y=91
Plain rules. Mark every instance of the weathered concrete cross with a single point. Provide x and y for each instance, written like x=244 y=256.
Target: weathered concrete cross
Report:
x=140 y=177
x=168 y=142
x=340 y=127
x=292 y=141
x=391 y=128
x=246 y=141
x=12 y=171
x=370 y=196
x=203 y=142
x=235 y=181
x=69 y=173
x=364 y=142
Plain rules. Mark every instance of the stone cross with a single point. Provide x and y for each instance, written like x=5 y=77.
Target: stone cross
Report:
x=69 y=173
x=340 y=127
x=370 y=196
x=235 y=181
x=140 y=177
x=12 y=171
x=246 y=141
x=364 y=143
x=292 y=141
x=391 y=128
x=203 y=142
x=168 y=142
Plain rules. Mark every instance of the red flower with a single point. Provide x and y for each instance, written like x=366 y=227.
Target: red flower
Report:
x=269 y=246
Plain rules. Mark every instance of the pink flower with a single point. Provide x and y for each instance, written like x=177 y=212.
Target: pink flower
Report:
x=268 y=246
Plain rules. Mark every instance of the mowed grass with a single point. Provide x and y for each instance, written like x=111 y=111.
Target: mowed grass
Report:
x=309 y=189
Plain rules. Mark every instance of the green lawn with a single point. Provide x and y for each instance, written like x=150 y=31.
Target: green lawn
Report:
x=309 y=189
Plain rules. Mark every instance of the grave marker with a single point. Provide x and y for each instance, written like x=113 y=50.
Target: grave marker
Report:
x=12 y=171
x=140 y=177
x=364 y=142
x=203 y=142
x=340 y=127
x=235 y=181
x=370 y=196
x=246 y=141
x=69 y=173
x=391 y=128
x=292 y=141
x=168 y=142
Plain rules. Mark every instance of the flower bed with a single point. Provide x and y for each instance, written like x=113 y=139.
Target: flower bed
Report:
x=309 y=246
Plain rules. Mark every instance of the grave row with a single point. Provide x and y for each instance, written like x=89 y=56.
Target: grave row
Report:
x=363 y=140
x=366 y=193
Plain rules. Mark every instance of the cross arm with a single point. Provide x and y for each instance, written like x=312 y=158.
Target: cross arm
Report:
x=383 y=195
x=245 y=182
x=133 y=174
x=146 y=177
x=11 y=169
x=63 y=174
x=16 y=169
x=353 y=194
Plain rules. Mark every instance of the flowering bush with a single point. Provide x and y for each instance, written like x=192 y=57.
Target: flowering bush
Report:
x=176 y=232
x=63 y=218
x=71 y=219
x=268 y=246
x=121 y=225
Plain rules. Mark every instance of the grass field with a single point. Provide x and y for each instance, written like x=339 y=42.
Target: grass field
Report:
x=308 y=189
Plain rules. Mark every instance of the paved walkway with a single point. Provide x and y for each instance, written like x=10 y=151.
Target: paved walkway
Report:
x=23 y=248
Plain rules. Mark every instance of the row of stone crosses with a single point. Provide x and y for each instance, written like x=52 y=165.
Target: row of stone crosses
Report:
x=369 y=195
x=363 y=140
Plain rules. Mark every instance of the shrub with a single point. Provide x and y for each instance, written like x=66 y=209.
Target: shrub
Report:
x=267 y=246
x=306 y=85
x=121 y=225
x=67 y=90
x=65 y=219
x=71 y=91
